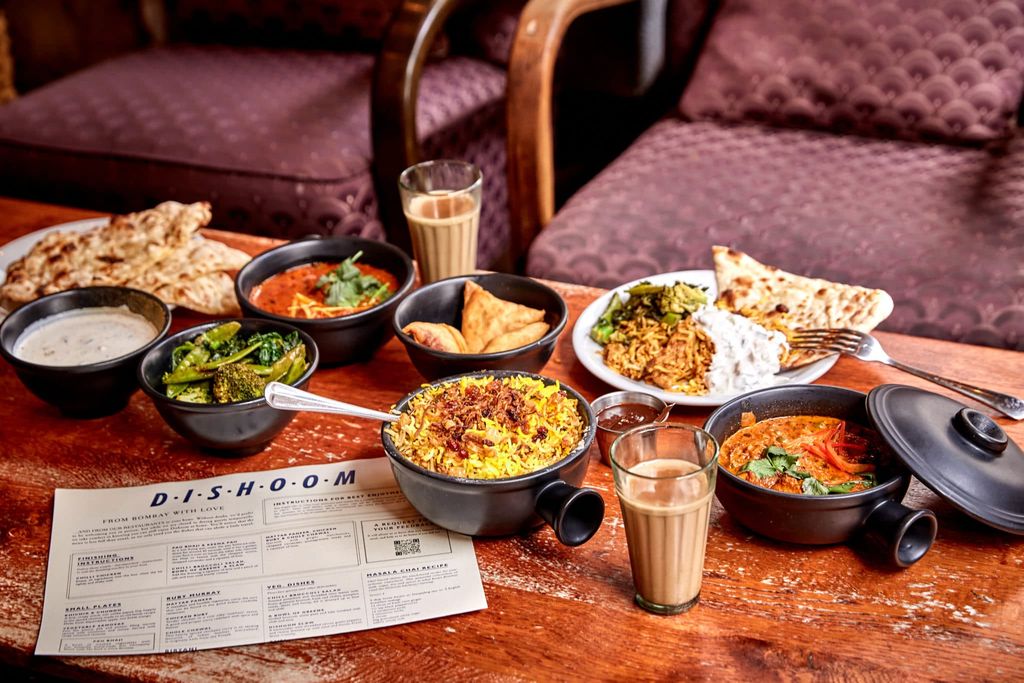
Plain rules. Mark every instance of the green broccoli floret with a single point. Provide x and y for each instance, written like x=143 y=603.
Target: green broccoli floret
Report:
x=196 y=392
x=236 y=382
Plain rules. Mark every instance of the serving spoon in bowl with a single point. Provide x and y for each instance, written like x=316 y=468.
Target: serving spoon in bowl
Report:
x=287 y=397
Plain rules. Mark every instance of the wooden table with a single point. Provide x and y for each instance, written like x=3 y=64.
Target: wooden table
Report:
x=768 y=610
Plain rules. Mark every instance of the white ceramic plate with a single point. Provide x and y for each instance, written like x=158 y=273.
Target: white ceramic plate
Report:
x=15 y=249
x=589 y=351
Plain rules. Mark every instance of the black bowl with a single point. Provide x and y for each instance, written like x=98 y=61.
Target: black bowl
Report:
x=441 y=302
x=898 y=534
x=232 y=429
x=499 y=507
x=92 y=390
x=347 y=339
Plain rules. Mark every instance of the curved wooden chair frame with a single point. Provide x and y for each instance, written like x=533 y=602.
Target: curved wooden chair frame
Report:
x=396 y=84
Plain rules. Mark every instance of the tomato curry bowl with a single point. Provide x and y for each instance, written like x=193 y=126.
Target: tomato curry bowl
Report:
x=325 y=290
x=788 y=479
x=342 y=291
x=814 y=455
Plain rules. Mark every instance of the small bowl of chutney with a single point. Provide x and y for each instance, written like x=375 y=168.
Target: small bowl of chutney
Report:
x=620 y=411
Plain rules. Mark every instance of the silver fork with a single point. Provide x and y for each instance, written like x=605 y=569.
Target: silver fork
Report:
x=865 y=347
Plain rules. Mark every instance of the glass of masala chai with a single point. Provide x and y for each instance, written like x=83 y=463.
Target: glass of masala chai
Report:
x=665 y=481
x=441 y=201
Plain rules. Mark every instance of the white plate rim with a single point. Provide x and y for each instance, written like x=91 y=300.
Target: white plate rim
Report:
x=19 y=246
x=588 y=351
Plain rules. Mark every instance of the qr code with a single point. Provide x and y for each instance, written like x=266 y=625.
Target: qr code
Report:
x=409 y=546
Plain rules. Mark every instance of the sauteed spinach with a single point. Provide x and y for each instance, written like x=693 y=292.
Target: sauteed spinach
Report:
x=222 y=366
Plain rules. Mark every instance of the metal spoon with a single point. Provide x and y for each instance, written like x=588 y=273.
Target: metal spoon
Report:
x=287 y=397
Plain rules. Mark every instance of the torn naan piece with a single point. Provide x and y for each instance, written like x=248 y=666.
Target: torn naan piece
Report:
x=437 y=336
x=807 y=303
x=516 y=338
x=486 y=317
x=213 y=294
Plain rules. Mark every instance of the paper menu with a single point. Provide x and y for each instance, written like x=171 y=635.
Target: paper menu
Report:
x=246 y=558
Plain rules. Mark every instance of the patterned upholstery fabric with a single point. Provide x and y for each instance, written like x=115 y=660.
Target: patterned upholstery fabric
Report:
x=941 y=228
x=305 y=23
x=278 y=140
x=910 y=69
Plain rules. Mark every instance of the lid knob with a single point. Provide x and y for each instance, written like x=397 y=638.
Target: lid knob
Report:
x=980 y=430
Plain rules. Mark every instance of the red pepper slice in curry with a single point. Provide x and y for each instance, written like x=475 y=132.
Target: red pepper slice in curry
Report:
x=842 y=457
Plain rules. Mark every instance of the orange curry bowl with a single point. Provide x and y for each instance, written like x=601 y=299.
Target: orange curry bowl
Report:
x=816 y=515
x=341 y=291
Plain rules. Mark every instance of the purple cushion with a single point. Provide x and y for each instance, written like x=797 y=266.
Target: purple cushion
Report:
x=278 y=140
x=906 y=69
x=939 y=227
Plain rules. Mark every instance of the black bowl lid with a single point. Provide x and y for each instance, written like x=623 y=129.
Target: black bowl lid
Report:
x=958 y=452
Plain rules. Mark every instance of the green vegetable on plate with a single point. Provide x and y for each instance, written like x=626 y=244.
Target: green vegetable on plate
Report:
x=668 y=304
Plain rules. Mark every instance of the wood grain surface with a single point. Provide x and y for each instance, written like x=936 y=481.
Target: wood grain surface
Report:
x=768 y=611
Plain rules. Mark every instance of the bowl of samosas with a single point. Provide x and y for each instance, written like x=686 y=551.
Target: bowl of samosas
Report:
x=480 y=322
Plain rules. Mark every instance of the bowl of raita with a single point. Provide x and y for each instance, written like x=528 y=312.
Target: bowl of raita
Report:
x=78 y=349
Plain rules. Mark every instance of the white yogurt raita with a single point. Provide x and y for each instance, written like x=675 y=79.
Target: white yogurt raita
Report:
x=84 y=336
x=746 y=354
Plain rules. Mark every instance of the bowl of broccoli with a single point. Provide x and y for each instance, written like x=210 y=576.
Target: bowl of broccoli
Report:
x=207 y=381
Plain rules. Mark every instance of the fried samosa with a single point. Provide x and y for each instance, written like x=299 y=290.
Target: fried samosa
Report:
x=486 y=317
x=438 y=336
x=516 y=338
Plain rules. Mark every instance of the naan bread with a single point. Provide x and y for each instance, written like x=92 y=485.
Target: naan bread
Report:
x=158 y=250
x=485 y=316
x=808 y=303
x=437 y=336
x=213 y=294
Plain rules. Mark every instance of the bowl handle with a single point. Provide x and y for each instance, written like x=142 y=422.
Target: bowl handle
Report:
x=902 y=535
x=575 y=514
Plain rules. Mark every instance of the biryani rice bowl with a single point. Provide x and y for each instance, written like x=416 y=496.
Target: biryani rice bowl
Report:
x=486 y=427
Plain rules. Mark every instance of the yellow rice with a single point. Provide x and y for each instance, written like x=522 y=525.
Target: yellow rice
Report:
x=531 y=425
